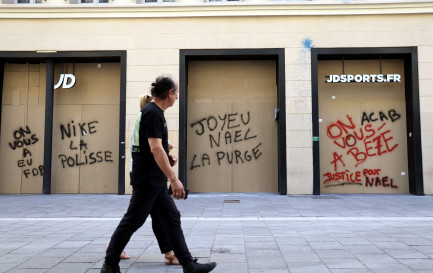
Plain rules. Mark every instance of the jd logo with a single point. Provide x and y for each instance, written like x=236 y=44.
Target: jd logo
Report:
x=64 y=79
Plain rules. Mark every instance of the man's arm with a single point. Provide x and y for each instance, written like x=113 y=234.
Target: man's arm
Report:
x=162 y=160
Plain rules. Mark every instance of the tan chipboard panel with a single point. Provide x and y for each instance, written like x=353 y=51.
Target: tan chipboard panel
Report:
x=21 y=159
x=86 y=130
x=65 y=171
x=100 y=150
x=363 y=137
x=11 y=148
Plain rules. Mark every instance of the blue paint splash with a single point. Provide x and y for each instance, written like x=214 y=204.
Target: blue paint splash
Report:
x=307 y=43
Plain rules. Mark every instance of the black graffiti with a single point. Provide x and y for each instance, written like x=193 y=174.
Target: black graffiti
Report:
x=378 y=181
x=204 y=159
x=82 y=145
x=232 y=157
x=232 y=120
x=35 y=171
x=23 y=163
x=83 y=129
x=236 y=155
x=342 y=184
x=229 y=137
x=21 y=139
x=85 y=159
x=371 y=117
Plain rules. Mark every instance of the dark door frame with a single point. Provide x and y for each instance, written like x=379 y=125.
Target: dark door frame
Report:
x=413 y=124
x=187 y=55
x=50 y=58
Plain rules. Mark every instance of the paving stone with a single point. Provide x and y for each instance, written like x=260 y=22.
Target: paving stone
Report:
x=228 y=258
x=307 y=268
x=14 y=258
x=226 y=267
x=372 y=259
x=417 y=263
x=406 y=254
x=304 y=257
x=267 y=270
x=4 y=267
x=71 y=267
x=348 y=270
x=334 y=254
x=326 y=245
x=26 y=270
x=40 y=262
x=386 y=268
x=343 y=263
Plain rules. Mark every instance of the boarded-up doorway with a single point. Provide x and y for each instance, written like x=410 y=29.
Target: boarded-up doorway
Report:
x=22 y=128
x=362 y=127
x=231 y=128
x=85 y=130
x=85 y=153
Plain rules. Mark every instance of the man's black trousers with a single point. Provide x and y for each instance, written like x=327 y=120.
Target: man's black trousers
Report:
x=160 y=205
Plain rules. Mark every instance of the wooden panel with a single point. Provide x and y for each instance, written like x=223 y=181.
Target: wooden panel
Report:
x=363 y=142
x=74 y=140
x=93 y=85
x=256 y=153
x=15 y=75
x=65 y=174
x=99 y=156
x=207 y=171
x=11 y=148
x=232 y=134
x=33 y=156
x=19 y=138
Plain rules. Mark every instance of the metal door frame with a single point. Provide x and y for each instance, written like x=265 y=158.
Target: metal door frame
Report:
x=187 y=55
x=413 y=124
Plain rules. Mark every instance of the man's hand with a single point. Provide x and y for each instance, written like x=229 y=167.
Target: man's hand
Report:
x=177 y=188
x=172 y=159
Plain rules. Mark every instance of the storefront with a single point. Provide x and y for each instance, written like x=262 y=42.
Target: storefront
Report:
x=291 y=99
x=367 y=118
x=80 y=113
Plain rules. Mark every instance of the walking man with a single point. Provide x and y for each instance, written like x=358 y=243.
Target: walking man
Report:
x=150 y=171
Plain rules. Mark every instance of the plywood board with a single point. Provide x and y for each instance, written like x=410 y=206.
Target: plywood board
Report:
x=207 y=169
x=363 y=138
x=11 y=148
x=100 y=155
x=255 y=163
x=33 y=157
x=15 y=75
x=93 y=85
x=232 y=134
x=65 y=174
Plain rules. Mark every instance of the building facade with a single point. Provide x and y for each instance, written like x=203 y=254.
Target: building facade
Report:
x=296 y=97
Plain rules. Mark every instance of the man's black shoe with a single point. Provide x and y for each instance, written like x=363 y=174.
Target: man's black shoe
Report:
x=108 y=269
x=194 y=267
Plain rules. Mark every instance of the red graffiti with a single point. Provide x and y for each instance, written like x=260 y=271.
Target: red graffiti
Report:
x=336 y=159
x=343 y=176
x=346 y=136
x=371 y=139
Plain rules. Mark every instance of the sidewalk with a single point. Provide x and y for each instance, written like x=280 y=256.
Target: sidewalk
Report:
x=243 y=233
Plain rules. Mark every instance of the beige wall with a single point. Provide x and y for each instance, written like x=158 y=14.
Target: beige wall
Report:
x=153 y=45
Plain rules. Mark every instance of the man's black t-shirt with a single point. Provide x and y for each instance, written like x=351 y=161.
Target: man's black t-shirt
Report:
x=150 y=124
